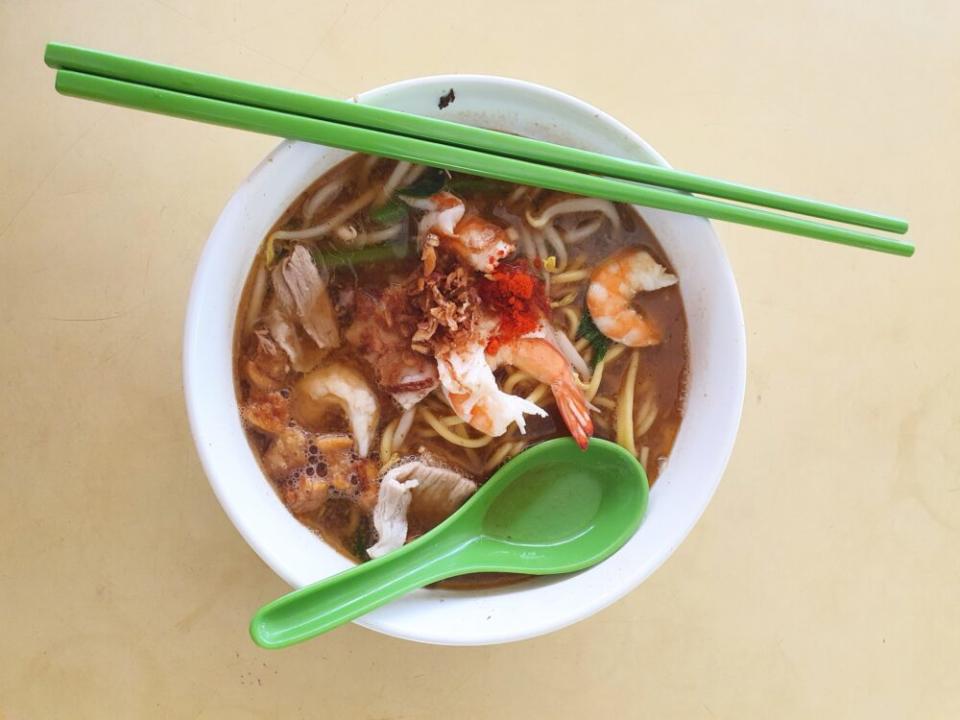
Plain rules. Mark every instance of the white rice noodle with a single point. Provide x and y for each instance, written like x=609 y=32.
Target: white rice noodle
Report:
x=366 y=169
x=526 y=244
x=377 y=236
x=519 y=235
x=517 y=193
x=400 y=171
x=321 y=198
x=403 y=427
x=541 y=248
x=576 y=205
x=559 y=247
x=347 y=212
x=257 y=293
x=583 y=231
x=346 y=233
x=540 y=251
x=419 y=203
x=565 y=345
x=415 y=172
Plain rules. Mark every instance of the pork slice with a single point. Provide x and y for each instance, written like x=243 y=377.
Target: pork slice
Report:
x=390 y=515
x=415 y=489
x=302 y=293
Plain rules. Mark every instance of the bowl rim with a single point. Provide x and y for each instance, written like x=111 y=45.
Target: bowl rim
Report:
x=549 y=622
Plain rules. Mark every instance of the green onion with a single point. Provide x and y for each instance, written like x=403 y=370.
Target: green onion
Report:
x=598 y=341
x=390 y=213
x=360 y=540
x=432 y=181
x=334 y=258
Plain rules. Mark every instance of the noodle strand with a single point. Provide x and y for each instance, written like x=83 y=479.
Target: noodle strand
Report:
x=386 y=440
x=559 y=247
x=399 y=173
x=570 y=276
x=625 y=405
x=444 y=432
x=320 y=199
x=257 y=293
x=347 y=212
x=582 y=231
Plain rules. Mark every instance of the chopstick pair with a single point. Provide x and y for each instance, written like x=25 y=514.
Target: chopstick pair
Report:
x=143 y=85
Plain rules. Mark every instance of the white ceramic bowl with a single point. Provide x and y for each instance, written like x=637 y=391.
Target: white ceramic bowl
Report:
x=534 y=607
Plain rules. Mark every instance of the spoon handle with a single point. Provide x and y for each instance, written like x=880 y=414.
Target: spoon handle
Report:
x=327 y=604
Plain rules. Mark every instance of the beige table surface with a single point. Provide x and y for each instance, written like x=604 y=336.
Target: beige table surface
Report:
x=824 y=579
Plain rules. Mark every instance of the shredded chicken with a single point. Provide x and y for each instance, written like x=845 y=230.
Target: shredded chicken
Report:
x=417 y=490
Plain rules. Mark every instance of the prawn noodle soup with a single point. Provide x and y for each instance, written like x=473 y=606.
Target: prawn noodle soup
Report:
x=404 y=331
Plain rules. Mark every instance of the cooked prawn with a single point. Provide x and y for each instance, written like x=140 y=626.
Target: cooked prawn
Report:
x=444 y=211
x=614 y=283
x=478 y=242
x=343 y=386
x=538 y=357
x=471 y=389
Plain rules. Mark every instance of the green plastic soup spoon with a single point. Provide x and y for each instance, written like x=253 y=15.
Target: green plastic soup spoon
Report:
x=552 y=509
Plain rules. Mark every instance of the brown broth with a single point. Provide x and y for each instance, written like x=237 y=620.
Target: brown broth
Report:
x=344 y=522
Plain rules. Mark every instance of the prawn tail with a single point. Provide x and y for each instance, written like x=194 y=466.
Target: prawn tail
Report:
x=575 y=412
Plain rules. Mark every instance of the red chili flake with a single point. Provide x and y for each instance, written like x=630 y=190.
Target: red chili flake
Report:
x=518 y=298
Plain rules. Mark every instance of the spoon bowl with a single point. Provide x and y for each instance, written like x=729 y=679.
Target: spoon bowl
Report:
x=552 y=509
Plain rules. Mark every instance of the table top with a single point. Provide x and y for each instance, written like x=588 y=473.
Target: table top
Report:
x=822 y=580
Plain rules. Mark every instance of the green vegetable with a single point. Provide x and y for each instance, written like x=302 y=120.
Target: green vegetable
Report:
x=472 y=185
x=390 y=213
x=360 y=542
x=333 y=258
x=598 y=341
x=432 y=181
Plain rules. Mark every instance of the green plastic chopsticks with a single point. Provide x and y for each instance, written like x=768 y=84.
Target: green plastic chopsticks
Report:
x=197 y=96
x=70 y=57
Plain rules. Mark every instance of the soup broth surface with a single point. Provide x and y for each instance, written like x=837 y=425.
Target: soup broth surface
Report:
x=361 y=227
